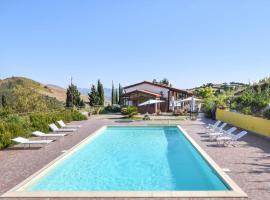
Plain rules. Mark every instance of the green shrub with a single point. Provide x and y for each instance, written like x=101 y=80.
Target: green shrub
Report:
x=247 y=110
x=12 y=125
x=266 y=114
x=75 y=116
x=112 y=109
x=40 y=121
x=11 y=129
x=146 y=117
x=5 y=136
x=129 y=111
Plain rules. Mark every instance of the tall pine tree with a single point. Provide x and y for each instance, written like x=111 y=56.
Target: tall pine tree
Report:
x=113 y=94
x=100 y=91
x=73 y=96
x=93 y=96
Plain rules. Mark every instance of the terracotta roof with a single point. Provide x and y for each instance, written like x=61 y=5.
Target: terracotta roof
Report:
x=158 y=85
x=143 y=91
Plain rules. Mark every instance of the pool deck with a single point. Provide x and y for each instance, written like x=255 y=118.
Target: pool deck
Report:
x=249 y=162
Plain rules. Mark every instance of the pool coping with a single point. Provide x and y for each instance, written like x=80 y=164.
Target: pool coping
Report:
x=17 y=191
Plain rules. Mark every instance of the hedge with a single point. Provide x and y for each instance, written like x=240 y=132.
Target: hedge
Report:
x=12 y=126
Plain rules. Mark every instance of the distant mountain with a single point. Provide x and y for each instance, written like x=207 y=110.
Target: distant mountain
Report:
x=107 y=92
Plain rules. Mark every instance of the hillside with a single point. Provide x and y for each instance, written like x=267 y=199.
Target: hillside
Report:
x=221 y=87
x=52 y=91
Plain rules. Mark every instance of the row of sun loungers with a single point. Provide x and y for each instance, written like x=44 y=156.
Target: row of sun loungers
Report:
x=58 y=132
x=221 y=136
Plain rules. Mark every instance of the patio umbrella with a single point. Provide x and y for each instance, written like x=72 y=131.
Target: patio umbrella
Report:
x=150 y=101
x=192 y=101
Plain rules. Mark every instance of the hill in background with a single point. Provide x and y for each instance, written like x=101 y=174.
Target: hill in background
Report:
x=24 y=95
x=53 y=91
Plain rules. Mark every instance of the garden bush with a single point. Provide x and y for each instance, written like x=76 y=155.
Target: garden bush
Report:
x=266 y=113
x=146 y=117
x=112 y=109
x=129 y=111
x=12 y=129
x=40 y=121
x=12 y=125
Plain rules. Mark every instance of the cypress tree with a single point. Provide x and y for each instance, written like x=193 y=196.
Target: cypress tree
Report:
x=113 y=95
x=100 y=91
x=4 y=101
x=116 y=96
x=120 y=90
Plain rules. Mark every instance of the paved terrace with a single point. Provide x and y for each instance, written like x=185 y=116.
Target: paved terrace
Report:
x=249 y=162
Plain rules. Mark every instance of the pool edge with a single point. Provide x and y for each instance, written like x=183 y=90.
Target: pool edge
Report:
x=16 y=191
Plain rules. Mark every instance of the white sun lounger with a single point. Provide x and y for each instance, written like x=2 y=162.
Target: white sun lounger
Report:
x=63 y=125
x=213 y=126
x=215 y=135
x=218 y=128
x=56 y=129
x=41 y=134
x=226 y=140
x=25 y=141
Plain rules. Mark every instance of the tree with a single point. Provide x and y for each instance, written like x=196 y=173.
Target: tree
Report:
x=154 y=81
x=73 y=96
x=205 y=92
x=100 y=91
x=113 y=95
x=120 y=90
x=4 y=101
x=94 y=99
x=116 y=96
x=165 y=81
x=82 y=104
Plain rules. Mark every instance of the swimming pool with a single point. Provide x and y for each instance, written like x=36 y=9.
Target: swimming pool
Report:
x=132 y=158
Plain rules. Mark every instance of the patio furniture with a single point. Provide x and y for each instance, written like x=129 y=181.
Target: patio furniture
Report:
x=226 y=140
x=44 y=135
x=213 y=126
x=63 y=125
x=56 y=129
x=25 y=141
x=215 y=135
x=218 y=128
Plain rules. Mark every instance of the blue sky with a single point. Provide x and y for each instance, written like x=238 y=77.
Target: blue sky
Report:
x=190 y=42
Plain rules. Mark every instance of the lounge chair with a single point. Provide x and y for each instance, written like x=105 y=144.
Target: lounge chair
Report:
x=219 y=128
x=25 y=141
x=213 y=126
x=226 y=140
x=215 y=135
x=41 y=134
x=56 y=129
x=63 y=125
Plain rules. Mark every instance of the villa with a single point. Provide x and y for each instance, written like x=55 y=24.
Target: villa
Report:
x=143 y=91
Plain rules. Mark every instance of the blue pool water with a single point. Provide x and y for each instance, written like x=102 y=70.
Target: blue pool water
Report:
x=133 y=159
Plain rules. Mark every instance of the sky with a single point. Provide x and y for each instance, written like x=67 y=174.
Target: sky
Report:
x=190 y=42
